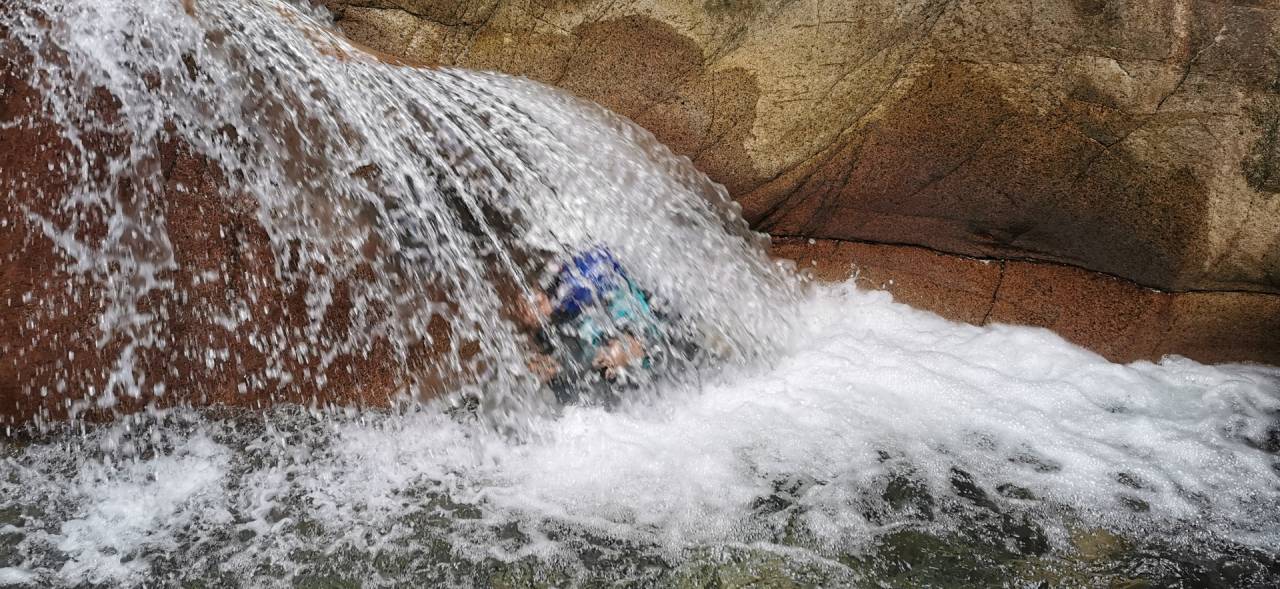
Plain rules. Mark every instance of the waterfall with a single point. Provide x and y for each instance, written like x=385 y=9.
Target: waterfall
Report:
x=404 y=208
x=292 y=274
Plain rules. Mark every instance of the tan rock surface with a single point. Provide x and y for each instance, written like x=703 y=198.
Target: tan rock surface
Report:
x=1137 y=138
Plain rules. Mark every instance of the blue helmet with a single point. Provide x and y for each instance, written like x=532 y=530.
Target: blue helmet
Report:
x=585 y=278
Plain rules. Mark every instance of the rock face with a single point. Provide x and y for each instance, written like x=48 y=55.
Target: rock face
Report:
x=1137 y=139
x=1112 y=316
x=55 y=358
x=1054 y=161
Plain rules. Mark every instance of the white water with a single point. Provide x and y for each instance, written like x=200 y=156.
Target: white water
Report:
x=867 y=389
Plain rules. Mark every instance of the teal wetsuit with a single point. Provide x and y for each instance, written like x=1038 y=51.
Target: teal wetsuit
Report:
x=596 y=303
x=627 y=311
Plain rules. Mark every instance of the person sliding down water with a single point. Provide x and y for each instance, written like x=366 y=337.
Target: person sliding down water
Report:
x=595 y=332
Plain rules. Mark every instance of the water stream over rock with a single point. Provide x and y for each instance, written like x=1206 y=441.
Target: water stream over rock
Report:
x=391 y=198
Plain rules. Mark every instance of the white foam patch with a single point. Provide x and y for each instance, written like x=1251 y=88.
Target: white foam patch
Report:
x=137 y=504
x=868 y=376
x=865 y=387
x=15 y=576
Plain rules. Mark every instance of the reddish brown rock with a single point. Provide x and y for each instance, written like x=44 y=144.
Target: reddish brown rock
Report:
x=955 y=287
x=54 y=353
x=1112 y=316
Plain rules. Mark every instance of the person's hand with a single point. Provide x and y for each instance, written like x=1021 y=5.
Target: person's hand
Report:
x=618 y=353
x=544 y=367
x=530 y=312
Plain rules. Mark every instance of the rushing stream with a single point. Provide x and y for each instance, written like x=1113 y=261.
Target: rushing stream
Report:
x=814 y=436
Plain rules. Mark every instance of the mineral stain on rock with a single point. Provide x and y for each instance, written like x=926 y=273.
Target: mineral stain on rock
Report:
x=956 y=162
x=1262 y=165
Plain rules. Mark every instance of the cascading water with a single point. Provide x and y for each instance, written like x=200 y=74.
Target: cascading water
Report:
x=412 y=194
x=825 y=437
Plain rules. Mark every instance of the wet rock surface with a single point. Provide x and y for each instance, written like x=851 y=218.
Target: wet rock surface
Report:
x=53 y=341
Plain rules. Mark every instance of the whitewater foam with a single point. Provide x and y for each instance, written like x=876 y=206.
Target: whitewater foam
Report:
x=800 y=458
